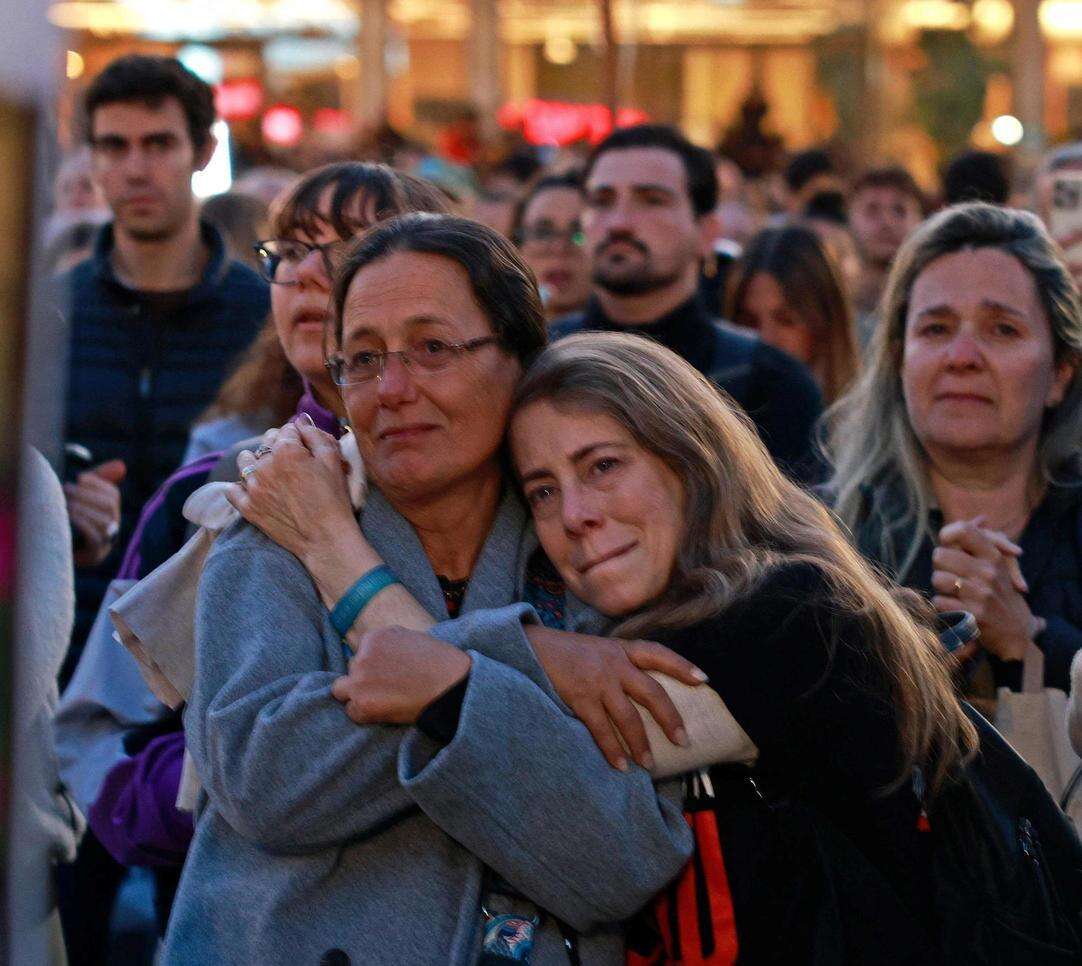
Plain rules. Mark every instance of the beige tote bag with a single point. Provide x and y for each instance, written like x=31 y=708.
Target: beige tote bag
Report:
x=1034 y=721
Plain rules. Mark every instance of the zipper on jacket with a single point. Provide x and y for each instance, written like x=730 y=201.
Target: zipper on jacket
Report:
x=1034 y=858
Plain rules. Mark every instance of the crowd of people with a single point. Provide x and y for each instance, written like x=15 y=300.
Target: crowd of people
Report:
x=474 y=624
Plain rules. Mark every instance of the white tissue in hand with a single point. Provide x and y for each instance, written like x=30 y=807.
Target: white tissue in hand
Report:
x=208 y=506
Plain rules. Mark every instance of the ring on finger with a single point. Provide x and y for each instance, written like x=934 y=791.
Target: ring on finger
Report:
x=262 y=450
x=957 y=586
x=246 y=472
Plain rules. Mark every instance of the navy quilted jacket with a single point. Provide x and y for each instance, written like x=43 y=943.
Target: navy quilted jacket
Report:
x=142 y=367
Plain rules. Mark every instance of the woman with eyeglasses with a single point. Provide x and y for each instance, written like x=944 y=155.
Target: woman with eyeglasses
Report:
x=548 y=233
x=331 y=840
x=119 y=749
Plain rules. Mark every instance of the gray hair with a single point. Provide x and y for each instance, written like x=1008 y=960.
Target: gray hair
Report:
x=869 y=438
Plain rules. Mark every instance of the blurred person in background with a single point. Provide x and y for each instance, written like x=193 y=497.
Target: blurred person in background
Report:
x=502 y=187
x=977 y=176
x=885 y=206
x=159 y=312
x=69 y=246
x=265 y=182
x=827 y=215
x=650 y=199
x=78 y=210
x=810 y=173
x=1063 y=163
x=957 y=456
x=242 y=220
x=75 y=192
x=547 y=228
x=158 y=315
x=788 y=290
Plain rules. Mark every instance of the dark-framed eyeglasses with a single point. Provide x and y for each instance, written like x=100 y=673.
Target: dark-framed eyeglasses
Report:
x=279 y=258
x=424 y=356
x=549 y=236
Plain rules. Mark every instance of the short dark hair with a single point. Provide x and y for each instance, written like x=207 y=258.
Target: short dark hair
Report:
x=139 y=77
x=503 y=286
x=895 y=177
x=977 y=176
x=805 y=165
x=698 y=162
x=827 y=206
x=569 y=181
x=386 y=193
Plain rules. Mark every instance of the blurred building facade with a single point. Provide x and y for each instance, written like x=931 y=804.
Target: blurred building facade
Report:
x=912 y=80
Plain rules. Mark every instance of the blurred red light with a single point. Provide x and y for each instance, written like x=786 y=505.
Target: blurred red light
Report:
x=282 y=125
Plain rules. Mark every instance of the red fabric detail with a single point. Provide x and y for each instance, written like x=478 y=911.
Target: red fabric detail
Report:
x=723 y=920
x=722 y=914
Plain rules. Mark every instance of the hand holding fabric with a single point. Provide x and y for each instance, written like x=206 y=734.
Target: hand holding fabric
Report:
x=599 y=679
x=297 y=492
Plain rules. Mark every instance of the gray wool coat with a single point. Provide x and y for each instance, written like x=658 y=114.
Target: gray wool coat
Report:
x=319 y=834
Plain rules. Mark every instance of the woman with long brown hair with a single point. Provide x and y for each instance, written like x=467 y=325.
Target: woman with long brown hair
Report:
x=788 y=288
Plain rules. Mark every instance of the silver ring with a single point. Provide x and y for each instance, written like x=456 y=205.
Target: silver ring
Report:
x=247 y=471
x=262 y=450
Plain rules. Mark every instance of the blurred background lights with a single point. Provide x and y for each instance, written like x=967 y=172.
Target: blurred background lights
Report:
x=1062 y=18
x=283 y=126
x=217 y=176
x=203 y=61
x=993 y=19
x=560 y=50
x=1007 y=129
x=75 y=65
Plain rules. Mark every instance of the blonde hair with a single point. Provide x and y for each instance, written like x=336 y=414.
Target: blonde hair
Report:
x=870 y=441
x=743 y=519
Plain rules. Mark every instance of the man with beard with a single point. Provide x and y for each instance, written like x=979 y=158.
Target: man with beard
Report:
x=158 y=315
x=650 y=195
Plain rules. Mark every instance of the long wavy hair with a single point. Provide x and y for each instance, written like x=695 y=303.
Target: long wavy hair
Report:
x=869 y=439
x=813 y=288
x=743 y=518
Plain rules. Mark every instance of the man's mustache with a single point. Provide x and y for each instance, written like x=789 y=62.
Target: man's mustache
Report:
x=622 y=239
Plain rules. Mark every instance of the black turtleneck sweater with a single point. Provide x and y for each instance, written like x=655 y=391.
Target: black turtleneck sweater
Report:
x=776 y=391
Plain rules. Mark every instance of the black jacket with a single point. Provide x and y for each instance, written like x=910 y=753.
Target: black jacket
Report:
x=1051 y=562
x=774 y=389
x=142 y=367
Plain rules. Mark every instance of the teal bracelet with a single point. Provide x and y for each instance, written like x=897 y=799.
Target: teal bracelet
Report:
x=358 y=597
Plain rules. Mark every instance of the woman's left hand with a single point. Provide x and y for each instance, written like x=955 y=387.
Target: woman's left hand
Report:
x=396 y=673
x=297 y=493
x=976 y=569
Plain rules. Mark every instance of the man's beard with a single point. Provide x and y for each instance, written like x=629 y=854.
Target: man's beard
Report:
x=151 y=233
x=632 y=277
x=639 y=283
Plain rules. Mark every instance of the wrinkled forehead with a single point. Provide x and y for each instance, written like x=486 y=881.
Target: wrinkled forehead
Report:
x=404 y=291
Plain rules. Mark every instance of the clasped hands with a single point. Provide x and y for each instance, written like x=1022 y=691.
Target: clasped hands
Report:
x=976 y=569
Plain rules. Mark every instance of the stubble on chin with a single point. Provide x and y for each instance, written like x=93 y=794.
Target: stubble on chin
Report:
x=630 y=282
